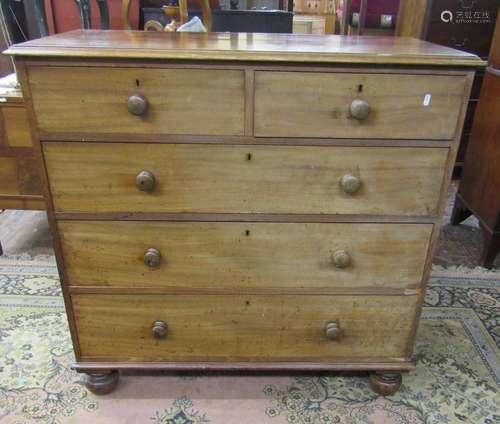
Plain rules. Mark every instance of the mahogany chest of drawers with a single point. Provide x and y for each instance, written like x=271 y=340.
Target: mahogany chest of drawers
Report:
x=244 y=201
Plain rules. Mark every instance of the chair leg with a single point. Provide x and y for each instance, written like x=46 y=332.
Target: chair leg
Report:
x=491 y=247
x=125 y=10
x=85 y=13
x=41 y=17
x=1 y=248
x=103 y=13
x=460 y=212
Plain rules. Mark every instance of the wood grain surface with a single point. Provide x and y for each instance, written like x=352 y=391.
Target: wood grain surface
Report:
x=318 y=105
x=243 y=255
x=19 y=176
x=480 y=185
x=235 y=327
x=296 y=367
x=9 y=175
x=16 y=128
x=90 y=100
x=413 y=17
x=100 y=177
x=20 y=173
x=23 y=202
x=244 y=47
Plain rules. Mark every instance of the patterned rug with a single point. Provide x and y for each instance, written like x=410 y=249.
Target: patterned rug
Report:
x=457 y=378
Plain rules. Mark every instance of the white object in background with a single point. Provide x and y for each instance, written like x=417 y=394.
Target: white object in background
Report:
x=9 y=84
x=194 y=25
x=9 y=81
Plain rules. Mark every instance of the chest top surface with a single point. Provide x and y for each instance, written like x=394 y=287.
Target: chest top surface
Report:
x=297 y=48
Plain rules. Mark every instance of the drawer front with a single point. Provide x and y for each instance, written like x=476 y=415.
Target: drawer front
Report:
x=101 y=177
x=236 y=327
x=243 y=255
x=298 y=104
x=179 y=101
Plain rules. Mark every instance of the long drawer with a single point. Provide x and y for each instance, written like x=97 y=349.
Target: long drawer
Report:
x=243 y=255
x=391 y=106
x=238 y=327
x=107 y=177
x=90 y=100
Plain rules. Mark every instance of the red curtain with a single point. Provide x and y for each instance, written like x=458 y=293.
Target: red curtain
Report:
x=62 y=15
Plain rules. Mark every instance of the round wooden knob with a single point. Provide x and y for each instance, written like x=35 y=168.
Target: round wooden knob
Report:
x=341 y=259
x=360 y=109
x=350 y=183
x=145 y=181
x=159 y=329
x=137 y=104
x=152 y=257
x=332 y=330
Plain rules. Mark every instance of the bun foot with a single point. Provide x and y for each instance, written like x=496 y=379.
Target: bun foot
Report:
x=101 y=384
x=385 y=384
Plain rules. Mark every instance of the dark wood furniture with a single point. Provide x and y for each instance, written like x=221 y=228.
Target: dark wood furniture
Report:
x=234 y=20
x=252 y=21
x=479 y=190
x=244 y=201
x=363 y=17
x=461 y=24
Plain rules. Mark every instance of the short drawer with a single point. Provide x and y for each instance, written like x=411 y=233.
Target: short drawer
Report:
x=95 y=100
x=233 y=255
x=237 y=327
x=357 y=105
x=103 y=177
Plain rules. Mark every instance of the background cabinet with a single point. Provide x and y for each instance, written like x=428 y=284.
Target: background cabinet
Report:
x=479 y=191
x=461 y=24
